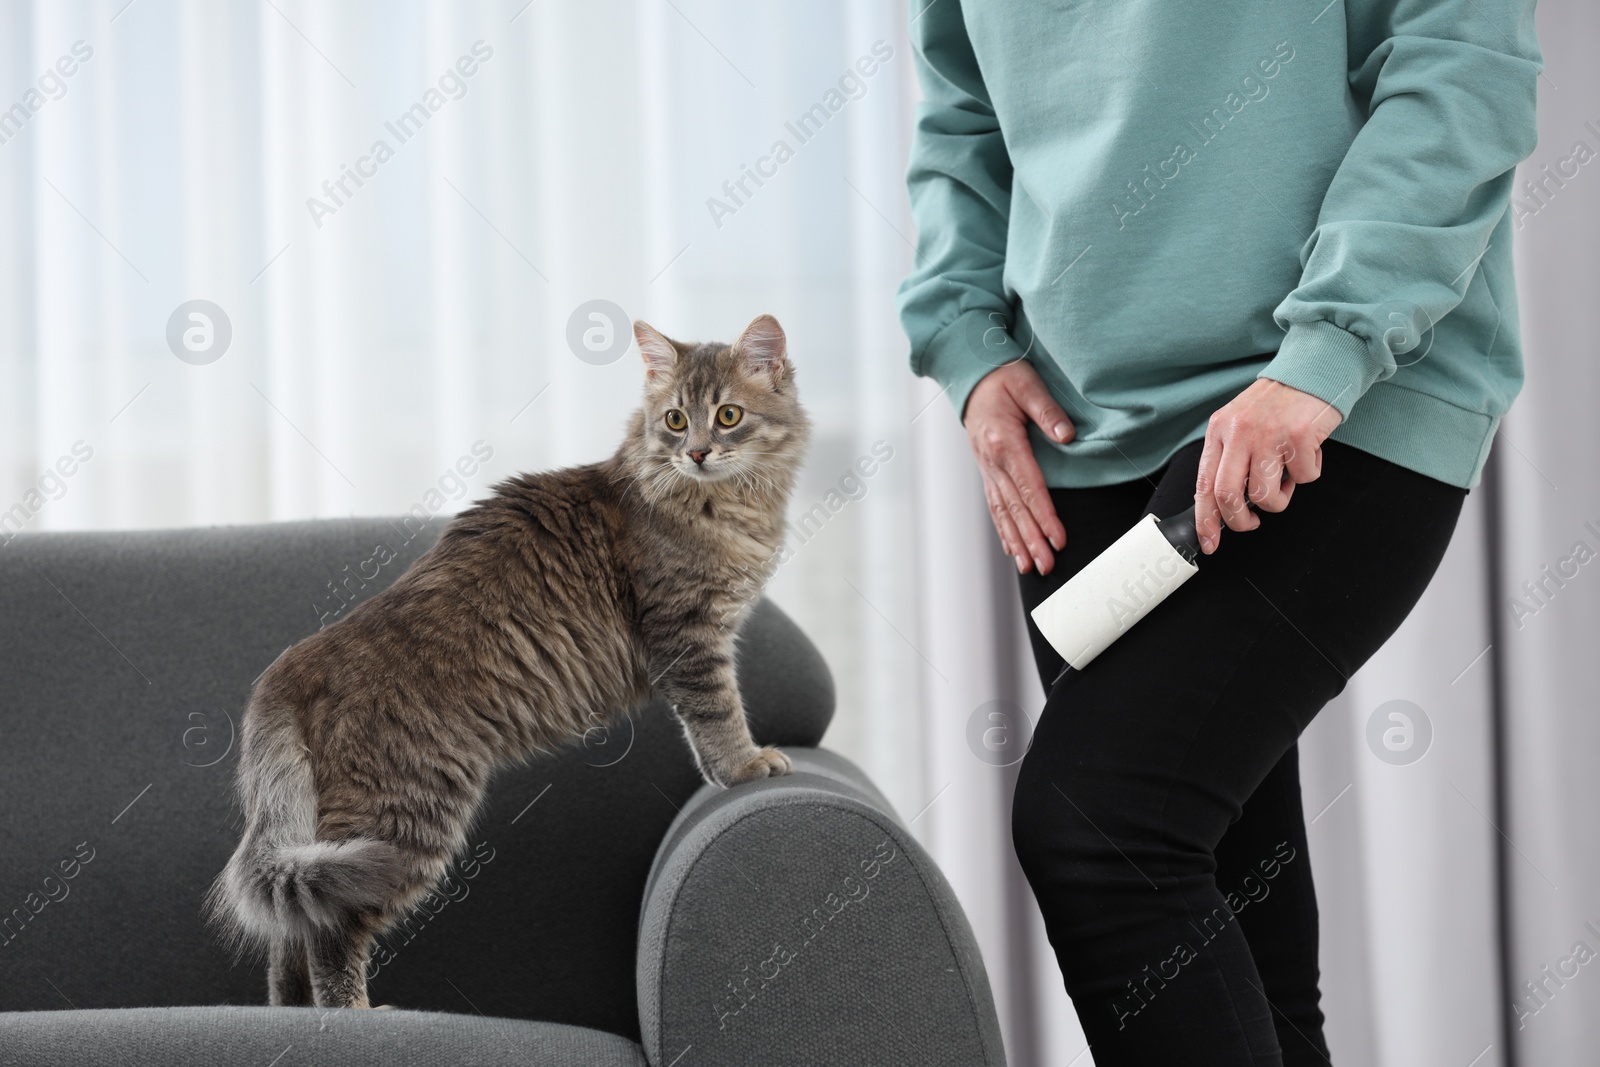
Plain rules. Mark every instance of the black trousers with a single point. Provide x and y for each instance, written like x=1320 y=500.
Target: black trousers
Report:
x=1157 y=813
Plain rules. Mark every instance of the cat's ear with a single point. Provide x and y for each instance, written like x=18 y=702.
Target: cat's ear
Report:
x=659 y=353
x=763 y=347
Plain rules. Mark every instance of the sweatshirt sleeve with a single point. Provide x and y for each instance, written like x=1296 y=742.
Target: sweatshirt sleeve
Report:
x=959 y=181
x=1449 y=88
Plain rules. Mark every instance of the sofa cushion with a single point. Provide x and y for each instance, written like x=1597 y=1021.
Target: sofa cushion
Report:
x=125 y=660
x=294 y=1037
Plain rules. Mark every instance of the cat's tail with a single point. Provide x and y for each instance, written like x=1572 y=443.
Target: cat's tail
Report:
x=281 y=882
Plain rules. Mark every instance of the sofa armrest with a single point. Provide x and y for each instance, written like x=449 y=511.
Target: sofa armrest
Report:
x=796 y=921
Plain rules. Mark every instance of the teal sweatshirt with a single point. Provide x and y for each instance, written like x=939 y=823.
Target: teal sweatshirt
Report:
x=1156 y=202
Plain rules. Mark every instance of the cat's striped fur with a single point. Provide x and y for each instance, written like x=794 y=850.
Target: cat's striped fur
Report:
x=562 y=600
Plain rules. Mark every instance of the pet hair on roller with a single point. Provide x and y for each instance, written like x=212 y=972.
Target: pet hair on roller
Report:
x=1119 y=587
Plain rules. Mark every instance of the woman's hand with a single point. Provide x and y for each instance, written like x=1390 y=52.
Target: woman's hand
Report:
x=1258 y=447
x=997 y=416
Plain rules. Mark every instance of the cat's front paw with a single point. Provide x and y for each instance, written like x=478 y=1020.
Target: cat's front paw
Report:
x=766 y=763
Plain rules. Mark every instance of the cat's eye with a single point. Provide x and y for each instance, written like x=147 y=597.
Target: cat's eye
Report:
x=730 y=414
x=676 y=419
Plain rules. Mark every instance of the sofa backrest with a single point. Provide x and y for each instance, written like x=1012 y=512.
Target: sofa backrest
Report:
x=125 y=661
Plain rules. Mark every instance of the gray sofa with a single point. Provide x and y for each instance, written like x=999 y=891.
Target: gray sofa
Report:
x=611 y=909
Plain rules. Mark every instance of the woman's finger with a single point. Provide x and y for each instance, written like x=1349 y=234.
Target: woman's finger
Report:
x=1023 y=469
x=997 y=518
x=1000 y=515
x=1207 y=516
x=1233 y=469
x=1266 y=484
x=1305 y=465
x=1030 y=393
x=1033 y=397
x=1037 y=550
x=1286 y=493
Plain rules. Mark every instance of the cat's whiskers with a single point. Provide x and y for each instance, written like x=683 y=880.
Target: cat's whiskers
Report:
x=645 y=470
x=650 y=469
x=684 y=488
x=758 y=479
x=741 y=475
x=641 y=470
x=661 y=483
x=759 y=470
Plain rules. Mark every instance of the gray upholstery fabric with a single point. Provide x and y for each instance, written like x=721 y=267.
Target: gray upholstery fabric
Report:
x=125 y=659
x=297 y=1037
x=795 y=921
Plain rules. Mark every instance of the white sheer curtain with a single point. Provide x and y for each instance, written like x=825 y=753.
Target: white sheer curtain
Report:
x=1552 y=501
x=379 y=338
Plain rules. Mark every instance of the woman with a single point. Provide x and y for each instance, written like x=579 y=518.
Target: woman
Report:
x=1213 y=255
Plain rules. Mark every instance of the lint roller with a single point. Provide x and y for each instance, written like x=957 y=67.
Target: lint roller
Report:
x=1119 y=587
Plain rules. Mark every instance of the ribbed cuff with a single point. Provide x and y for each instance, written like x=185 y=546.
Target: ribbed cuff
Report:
x=1330 y=363
x=964 y=351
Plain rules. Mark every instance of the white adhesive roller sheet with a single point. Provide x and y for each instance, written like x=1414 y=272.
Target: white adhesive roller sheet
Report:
x=1117 y=589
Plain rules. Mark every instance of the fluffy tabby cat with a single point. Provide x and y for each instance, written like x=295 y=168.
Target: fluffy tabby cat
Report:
x=562 y=599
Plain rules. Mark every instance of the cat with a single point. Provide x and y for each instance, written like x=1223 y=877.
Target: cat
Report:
x=561 y=600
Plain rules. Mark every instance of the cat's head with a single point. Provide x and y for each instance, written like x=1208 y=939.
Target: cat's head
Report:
x=717 y=412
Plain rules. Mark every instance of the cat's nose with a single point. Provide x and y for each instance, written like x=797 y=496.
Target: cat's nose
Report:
x=699 y=455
